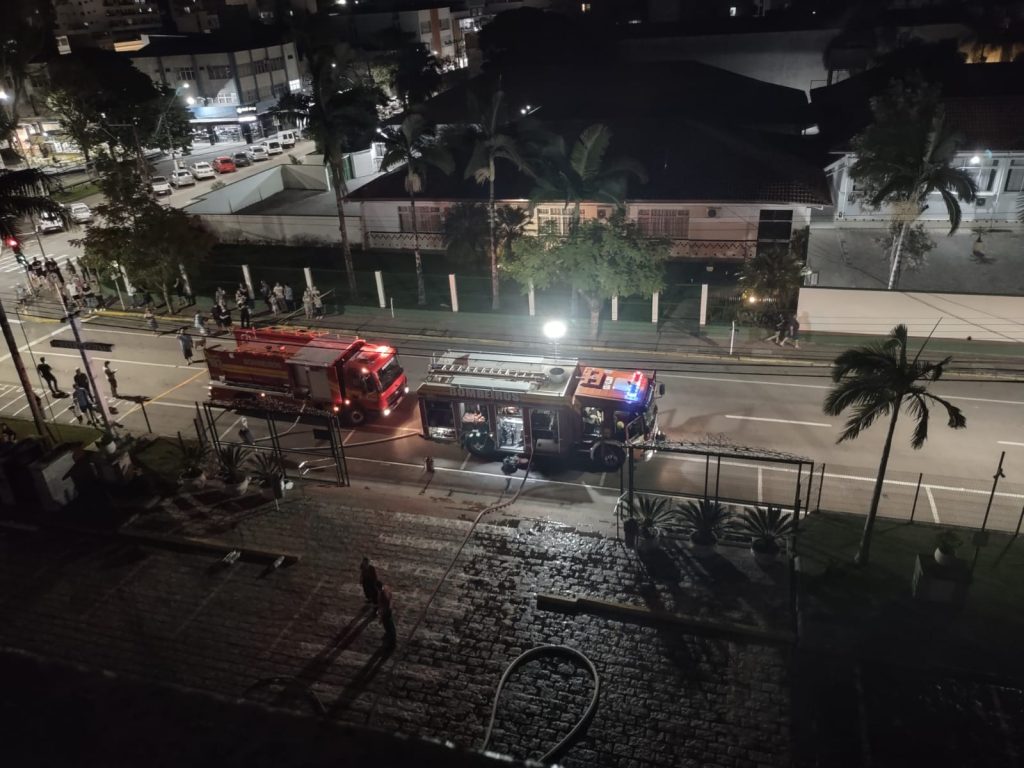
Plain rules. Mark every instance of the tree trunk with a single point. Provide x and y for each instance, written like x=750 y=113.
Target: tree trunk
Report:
x=495 y=299
x=864 y=551
x=897 y=249
x=421 y=291
x=19 y=367
x=595 y=314
x=340 y=191
x=167 y=298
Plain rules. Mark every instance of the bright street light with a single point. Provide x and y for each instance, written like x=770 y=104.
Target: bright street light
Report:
x=554 y=329
x=190 y=101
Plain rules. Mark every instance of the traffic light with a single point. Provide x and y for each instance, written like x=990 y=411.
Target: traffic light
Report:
x=15 y=245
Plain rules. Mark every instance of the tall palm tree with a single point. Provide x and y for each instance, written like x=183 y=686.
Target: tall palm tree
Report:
x=509 y=227
x=878 y=380
x=22 y=194
x=342 y=117
x=492 y=137
x=465 y=233
x=904 y=156
x=413 y=145
x=586 y=173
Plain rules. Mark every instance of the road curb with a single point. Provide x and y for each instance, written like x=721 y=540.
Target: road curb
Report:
x=214 y=546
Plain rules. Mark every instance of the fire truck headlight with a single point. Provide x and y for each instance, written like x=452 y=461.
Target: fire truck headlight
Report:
x=387 y=411
x=263 y=394
x=336 y=409
x=406 y=390
x=348 y=402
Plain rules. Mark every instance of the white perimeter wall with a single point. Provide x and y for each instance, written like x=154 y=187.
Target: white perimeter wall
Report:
x=983 y=318
x=284 y=230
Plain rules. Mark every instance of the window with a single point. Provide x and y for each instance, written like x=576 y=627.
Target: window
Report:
x=278 y=90
x=446 y=23
x=262 y=66
x=276 y=63
x=424 y=27
x=593 y=421
x=186 y=73
x=561 y=216
x=245 y=70
x=249 y=96
x=584 y=7
x=226 y=98
x=664 y=222
x=983 y=172
x=1015 y=176
x=775 y=226
x=428 y=218
x=218 y=72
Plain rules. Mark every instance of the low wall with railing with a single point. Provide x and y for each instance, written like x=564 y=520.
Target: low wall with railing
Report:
x=948 y=315
x=283 y=230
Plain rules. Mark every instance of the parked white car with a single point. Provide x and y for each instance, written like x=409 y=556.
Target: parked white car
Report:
x=258 y=152
x=48 y=222
x=160 y=185
x=202 y=171
x=80 y=213
x=181 y=178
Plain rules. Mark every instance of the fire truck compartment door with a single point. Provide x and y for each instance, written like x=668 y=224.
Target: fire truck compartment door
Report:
x=318 y=383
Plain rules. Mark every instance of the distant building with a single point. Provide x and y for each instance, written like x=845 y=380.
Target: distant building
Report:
x=234 y=86
x=103 y=22
x=428 y=24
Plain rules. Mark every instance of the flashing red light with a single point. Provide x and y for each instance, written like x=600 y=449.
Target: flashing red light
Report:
x=383 y=349
x=12 y=242
x=638 y=376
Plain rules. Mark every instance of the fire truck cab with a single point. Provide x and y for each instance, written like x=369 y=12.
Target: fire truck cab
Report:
x=495 y=405
x=288 y=369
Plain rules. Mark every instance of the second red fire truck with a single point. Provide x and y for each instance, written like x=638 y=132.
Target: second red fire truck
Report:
x=281 y=368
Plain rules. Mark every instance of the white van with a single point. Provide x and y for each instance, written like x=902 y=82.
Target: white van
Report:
x=287 y=138
x=273 y=147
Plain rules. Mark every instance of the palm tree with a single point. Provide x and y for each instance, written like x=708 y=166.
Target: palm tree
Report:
x=492 y=138
x=342 y=117
x=905 y=156
x=510 y=225
x=412 y=144
x=466 y=232
x=774 y=273
x=878 y=380
x=585 y=173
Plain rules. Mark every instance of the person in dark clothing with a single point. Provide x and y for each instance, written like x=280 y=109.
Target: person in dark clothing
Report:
x=185 y=342
x=81 y=380
x=793 y=332
x=387 y=615
x=265 y=293
x=244 y=315
x=368 y=580
x=780 y=330
x=218 y=316
x=46 y=374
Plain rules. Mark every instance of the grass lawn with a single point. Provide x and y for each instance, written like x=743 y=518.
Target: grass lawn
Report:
x=76 y=193
x=64 y=433
x=870 y=612
x=162 y=457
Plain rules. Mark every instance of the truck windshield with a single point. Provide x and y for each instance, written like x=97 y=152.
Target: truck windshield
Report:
x=389 y=373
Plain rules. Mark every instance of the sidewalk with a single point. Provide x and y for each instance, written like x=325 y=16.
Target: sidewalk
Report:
x=626 y=338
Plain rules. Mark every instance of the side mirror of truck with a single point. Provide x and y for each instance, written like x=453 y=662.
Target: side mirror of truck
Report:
x=661 y=390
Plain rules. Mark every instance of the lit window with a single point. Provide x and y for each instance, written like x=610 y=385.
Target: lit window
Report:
x=1015 y=177
x=584 y=7
x=732 y=10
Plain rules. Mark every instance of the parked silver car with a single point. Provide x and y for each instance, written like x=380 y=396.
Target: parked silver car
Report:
x=80 y=213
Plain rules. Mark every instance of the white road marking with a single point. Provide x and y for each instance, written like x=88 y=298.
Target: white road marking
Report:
x=760 y=485
x=931 y=503
x=779 y=421
x=1007 y=442
x=233 y=424
x=743 y=381
x=122 y=362
x=984 y=400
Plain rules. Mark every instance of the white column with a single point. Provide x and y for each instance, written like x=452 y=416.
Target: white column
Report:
x=615 y=309
x=532 y=300
x=380 y=289
x=455 y=293
x=703 y=304
x=247 y=277
x=654 y=308
x=309 y=277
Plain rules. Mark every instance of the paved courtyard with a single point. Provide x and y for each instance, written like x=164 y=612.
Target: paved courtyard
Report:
x=301 y=637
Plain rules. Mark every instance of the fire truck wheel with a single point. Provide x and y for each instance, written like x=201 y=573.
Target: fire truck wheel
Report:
x=608 y=457
x=480 y=444
x=355 y=416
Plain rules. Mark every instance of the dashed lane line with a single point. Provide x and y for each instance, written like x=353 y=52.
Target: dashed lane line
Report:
x=779 y=421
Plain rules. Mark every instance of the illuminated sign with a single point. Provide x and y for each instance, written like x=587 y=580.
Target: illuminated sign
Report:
x=245 y=110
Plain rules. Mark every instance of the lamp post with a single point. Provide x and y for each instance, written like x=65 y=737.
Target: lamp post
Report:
x=554 y=330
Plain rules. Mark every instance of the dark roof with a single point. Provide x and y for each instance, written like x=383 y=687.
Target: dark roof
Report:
x=602 y=92
x=181 y=45
x=985 y=102
x=685 y=161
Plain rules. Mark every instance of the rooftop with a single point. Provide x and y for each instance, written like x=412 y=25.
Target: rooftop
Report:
x=258 y=36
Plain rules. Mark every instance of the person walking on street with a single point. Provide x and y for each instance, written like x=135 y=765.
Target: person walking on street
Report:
x=46 y=374
x=368 y=581
x=385 y=608
x=81 y=380
x=151 y=321
x=185 y=342
x=289 y=298
x=780 y=330
x=793 y=331
x=84 y=404
x=111 y=375
x=245 y=433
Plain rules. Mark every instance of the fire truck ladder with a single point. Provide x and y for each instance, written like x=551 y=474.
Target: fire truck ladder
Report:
x=481 y=370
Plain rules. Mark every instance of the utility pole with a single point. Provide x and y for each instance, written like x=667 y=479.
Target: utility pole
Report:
x=72 y=318
x=19 y=366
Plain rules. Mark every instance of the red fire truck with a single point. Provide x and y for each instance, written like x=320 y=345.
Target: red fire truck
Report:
x=496 y=405
x=300 y=369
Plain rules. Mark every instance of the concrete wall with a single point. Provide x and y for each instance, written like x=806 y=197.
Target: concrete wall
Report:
x=242 y=193
x=982 y=317
x=283 y=230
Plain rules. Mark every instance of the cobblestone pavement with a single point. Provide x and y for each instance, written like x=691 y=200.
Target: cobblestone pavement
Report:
x=668 y=697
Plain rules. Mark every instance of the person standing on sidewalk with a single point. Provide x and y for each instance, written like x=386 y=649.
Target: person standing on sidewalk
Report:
x=265 y=293
x=46 y=374
x=307 y=303
x=81 y=380
x=111 y=375
x=792 y=331
x=385 y=608
x=151 y=321
x=218 y=295
x=368 y=581
x=244 y=315
x=289 y=298
x=780 y=329
x=185 y=342
x=318 y=304
x=84 y=404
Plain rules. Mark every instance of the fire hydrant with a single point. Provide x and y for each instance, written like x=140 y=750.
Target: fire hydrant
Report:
x=428 y=463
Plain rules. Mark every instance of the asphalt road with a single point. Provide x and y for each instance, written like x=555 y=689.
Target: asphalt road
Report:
x=716 y=403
